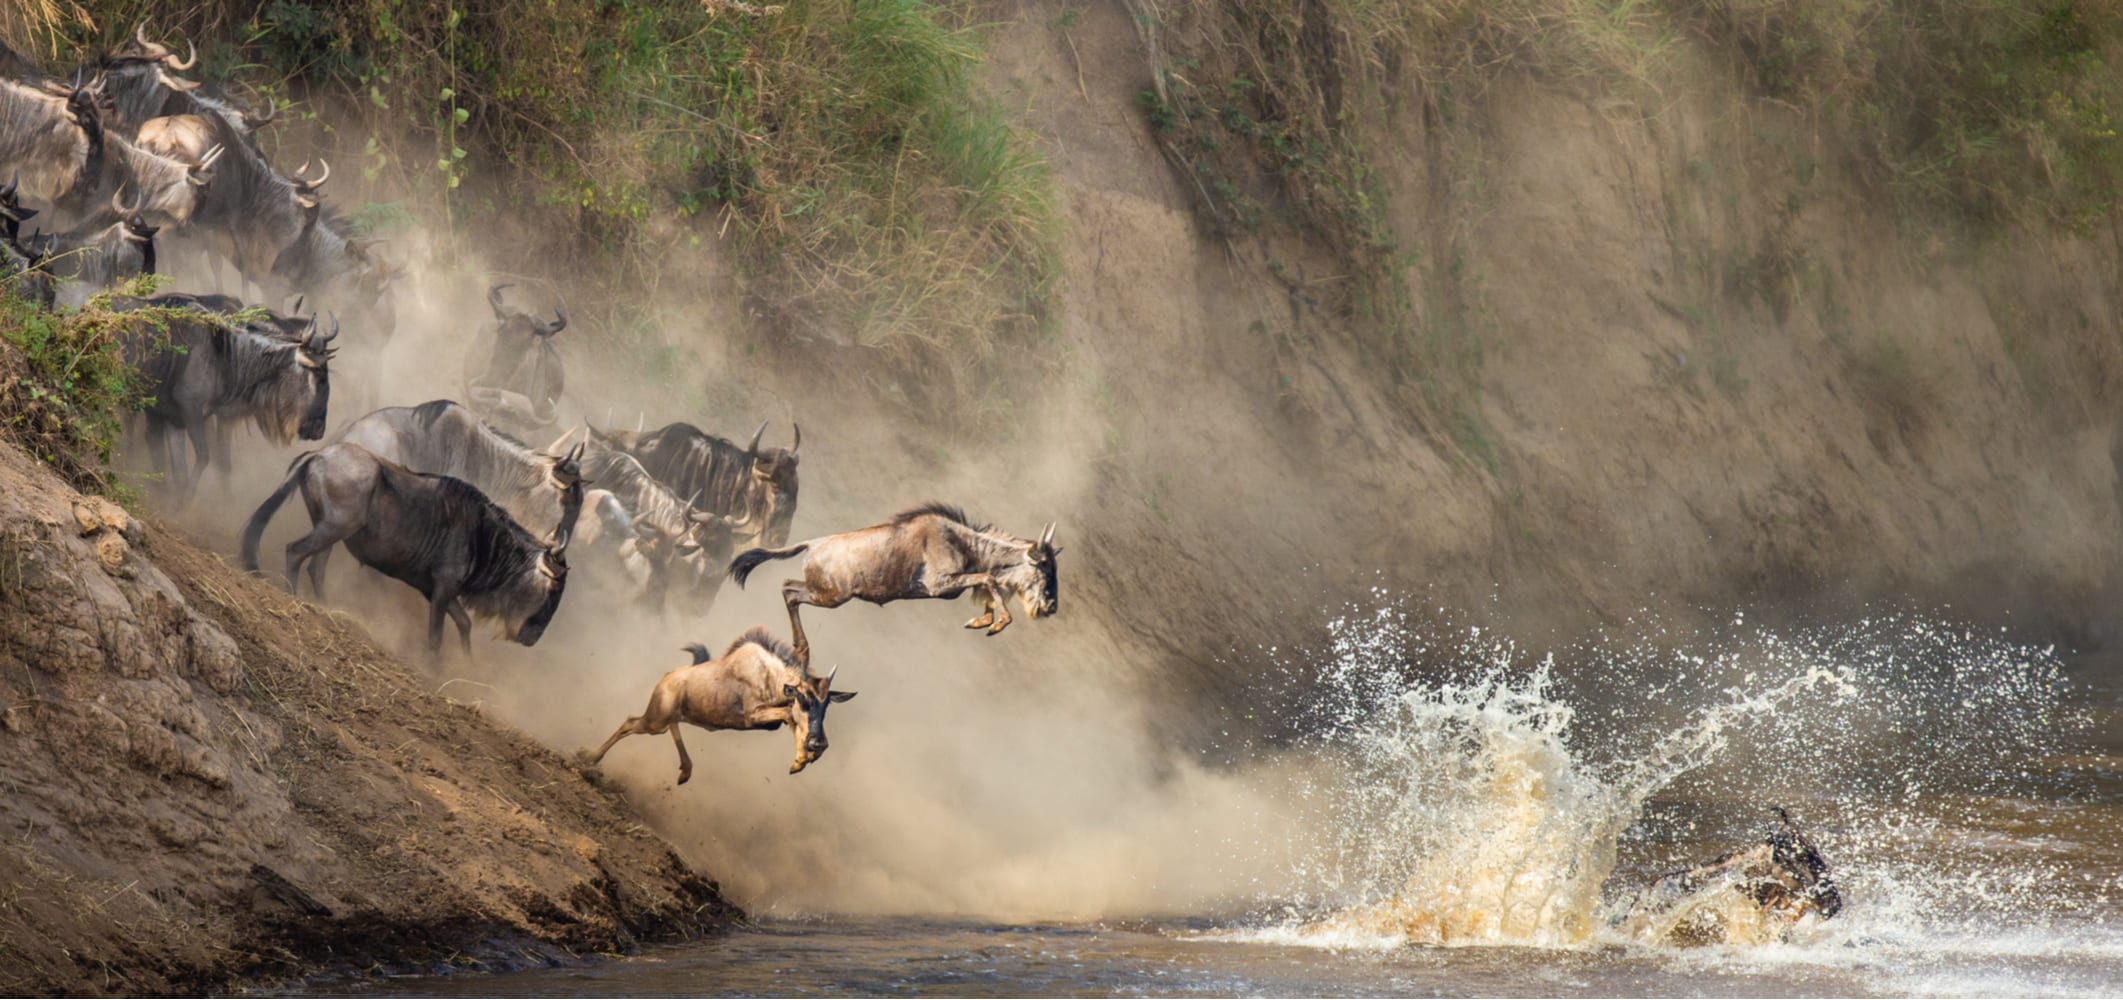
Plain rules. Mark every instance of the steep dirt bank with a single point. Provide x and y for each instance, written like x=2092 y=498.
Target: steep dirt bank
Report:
x=210 y=783
x=1708 y=365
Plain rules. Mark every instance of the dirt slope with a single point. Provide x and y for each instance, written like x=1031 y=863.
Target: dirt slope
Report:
x=210 y=783
x=1712 y=367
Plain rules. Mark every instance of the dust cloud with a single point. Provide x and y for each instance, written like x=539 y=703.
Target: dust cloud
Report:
x=1012 y=777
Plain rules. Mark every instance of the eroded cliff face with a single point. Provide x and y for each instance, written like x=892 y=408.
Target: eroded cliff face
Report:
x=1707 y=365
x=209 y=782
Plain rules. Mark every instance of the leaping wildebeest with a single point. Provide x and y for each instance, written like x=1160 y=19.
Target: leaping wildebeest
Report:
x=757 y=683
x=436 y=534
x=930 y=551
x=745 y=482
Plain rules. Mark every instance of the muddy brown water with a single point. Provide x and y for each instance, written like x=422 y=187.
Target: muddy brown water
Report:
x=1984 y=857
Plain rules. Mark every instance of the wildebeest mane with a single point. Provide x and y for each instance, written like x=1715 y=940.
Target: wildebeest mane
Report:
x=427 y=413
x=500 y=549
x=949 y=512
x=759 y=636
x=699 y=653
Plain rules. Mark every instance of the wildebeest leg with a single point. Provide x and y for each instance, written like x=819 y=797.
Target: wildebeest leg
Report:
x=463 y=619
x=793 y=594
x=158 y=446
x=224 y=452
x=320 y=540
x=438 y=608
x=635 y=726
x=997 y=616
x=685 y=760
x=317 y=564
x=202 y=451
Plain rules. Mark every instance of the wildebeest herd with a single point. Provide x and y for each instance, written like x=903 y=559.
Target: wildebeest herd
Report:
x=446 y=497
x=108 y=161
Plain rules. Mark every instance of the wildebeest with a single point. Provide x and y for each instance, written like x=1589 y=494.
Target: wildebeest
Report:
x=445 y=438
x=930 y=551
x=757 y=683
x=668 y=538
x=1748 y=896
x=513 y=372
x=12 y=212
x=104 y=252
x=436 y=534
x=748 y=482
x=207 y=365
x=67 y=160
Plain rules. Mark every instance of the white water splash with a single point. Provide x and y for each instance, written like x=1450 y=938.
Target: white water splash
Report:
x=1474 y=810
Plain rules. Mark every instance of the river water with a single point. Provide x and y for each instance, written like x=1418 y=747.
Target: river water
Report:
x=1481 y=824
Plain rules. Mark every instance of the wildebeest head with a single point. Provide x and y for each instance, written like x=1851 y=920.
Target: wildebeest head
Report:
x=523 y=359
x=538 y=593
x=811 y=697
x=1036 y=578
x=774 y=476
x=1792 y=852
x=313 y=352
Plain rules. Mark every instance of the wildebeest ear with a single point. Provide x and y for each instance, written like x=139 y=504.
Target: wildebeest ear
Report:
x=841 y=695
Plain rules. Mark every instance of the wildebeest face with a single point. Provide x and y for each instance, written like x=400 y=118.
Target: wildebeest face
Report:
x=314 y=354
x=1038 y=579
x=550 y=582
x=1795 y=854
x=811 y=697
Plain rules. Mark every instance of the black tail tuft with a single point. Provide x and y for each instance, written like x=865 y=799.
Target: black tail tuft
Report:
x=749 y=560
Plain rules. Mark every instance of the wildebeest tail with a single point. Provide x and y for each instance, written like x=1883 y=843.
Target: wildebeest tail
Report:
x=749 y=559
x=699 y=652
x=256 y=529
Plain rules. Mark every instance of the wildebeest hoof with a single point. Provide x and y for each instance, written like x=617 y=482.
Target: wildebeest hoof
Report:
x=997 y=628
x=684 y=776
x=798 y=766
x=982 y=622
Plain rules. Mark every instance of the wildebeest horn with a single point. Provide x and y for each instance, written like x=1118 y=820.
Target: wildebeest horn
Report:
x=641 y=419
x=753 y=448
x=191 y=57
x=140 y=35
x=494 y=299
x=296 y=309
x=830 y=674
x=301 y=177
x=1047 y=537
x=175 y=83
x=560 y=442
x=256 y=122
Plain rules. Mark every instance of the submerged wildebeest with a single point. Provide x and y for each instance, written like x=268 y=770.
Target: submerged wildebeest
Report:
x=206 y=365
x=445 y=438
x=757 y=683
x=437 y=534
x=748 y=482
x=1748 y=896
x=924 y=552
x=512 y=371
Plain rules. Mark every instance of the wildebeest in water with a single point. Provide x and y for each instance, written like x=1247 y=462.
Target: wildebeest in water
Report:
x=930 y=551
x=436 y=534
x=1752 y=895
x=757 y=683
